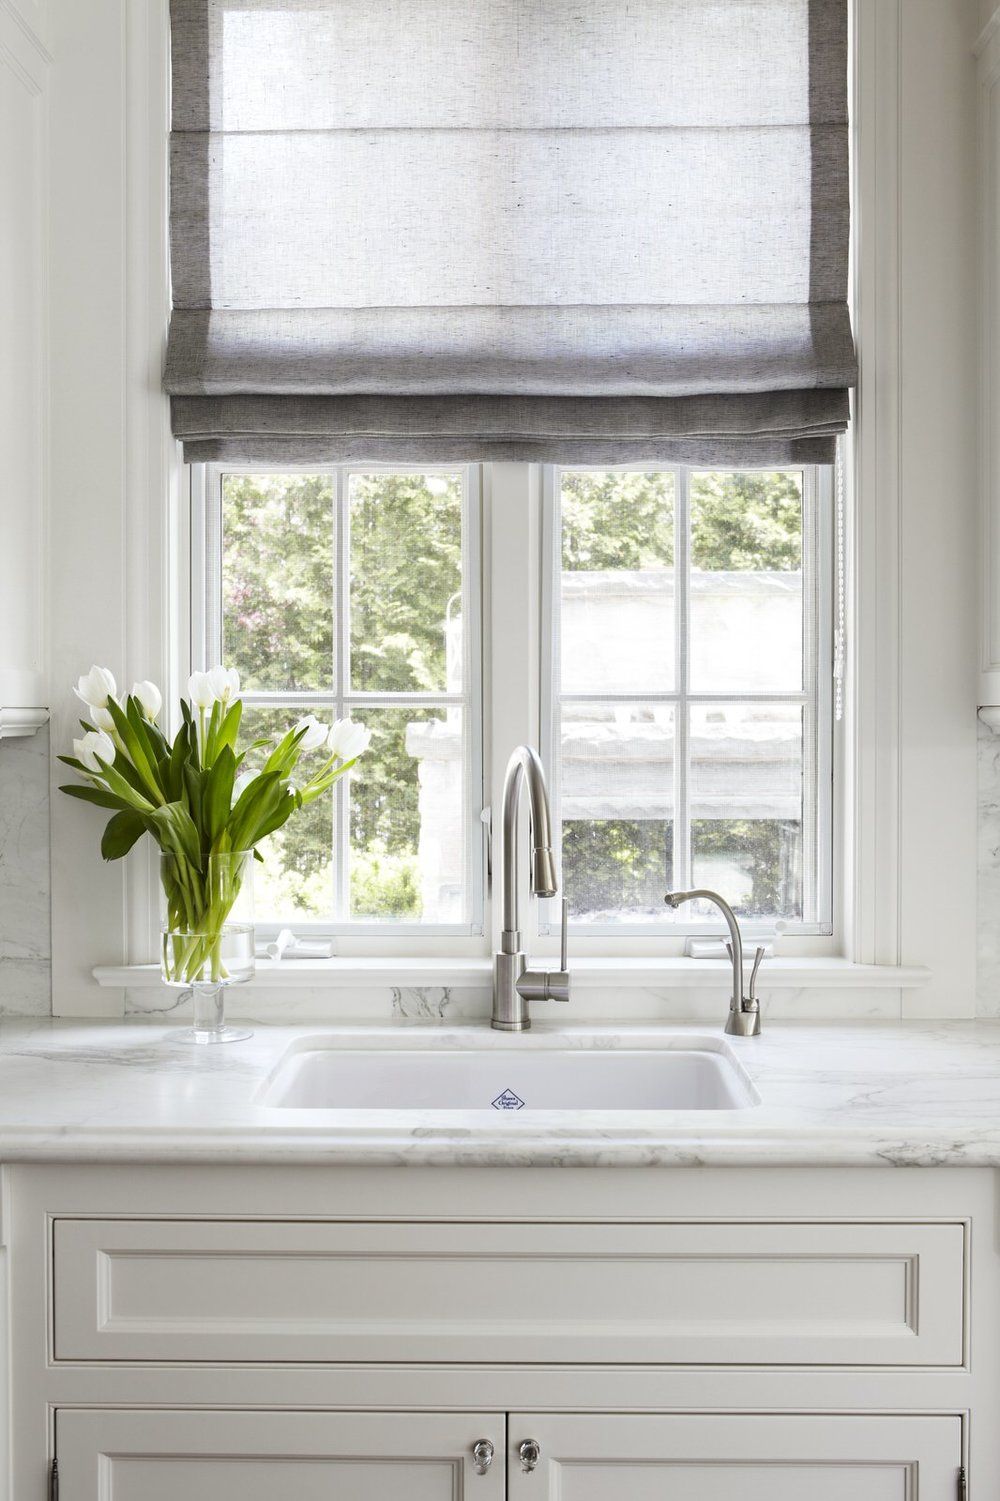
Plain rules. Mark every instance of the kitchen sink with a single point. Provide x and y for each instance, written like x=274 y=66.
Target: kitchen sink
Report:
x=509 y=1079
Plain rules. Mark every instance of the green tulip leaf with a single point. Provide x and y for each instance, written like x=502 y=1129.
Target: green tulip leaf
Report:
x=121 y=833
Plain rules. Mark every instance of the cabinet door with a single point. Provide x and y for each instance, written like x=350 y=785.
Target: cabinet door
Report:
x=716 y=1457
x=257 y=1456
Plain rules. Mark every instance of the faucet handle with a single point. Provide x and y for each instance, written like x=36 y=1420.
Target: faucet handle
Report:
x=549 y=984
x=758 y=959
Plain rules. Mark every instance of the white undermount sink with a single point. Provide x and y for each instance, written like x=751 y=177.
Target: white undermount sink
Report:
x=513 y=1079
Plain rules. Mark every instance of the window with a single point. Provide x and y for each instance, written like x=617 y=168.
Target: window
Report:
x=354 y=592
x=684 y=697
x=689 y=732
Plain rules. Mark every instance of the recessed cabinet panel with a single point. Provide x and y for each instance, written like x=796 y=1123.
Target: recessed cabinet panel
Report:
x=705 y=1293
x=719 y=1457
x=252 y=1456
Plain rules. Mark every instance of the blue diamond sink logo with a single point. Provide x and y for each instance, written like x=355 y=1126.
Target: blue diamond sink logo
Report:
x=508 y=1101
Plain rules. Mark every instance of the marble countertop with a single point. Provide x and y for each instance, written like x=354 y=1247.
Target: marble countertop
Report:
x=832 y=1094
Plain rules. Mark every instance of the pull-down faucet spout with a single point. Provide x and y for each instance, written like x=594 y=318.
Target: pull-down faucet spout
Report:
x=524 y=769
x=514 y=985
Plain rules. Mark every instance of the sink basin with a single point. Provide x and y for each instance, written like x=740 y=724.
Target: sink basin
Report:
x=514 y=1080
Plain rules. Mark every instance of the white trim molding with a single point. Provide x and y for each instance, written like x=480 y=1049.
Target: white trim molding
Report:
x=24 y=209
x=15 y=723
x=113 y=462
x=588 y=974
x=911 y=808
x=988 y=108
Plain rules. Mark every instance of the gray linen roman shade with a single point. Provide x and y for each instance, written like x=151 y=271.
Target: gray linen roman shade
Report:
x=571 y=230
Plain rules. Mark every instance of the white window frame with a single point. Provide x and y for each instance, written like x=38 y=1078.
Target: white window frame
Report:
x=204 y=646
x=821 y=749
x=117 y=536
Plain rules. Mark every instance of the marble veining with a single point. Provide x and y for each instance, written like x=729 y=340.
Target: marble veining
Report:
x=25 y=943
x=449 y=1004
x=870 y=1093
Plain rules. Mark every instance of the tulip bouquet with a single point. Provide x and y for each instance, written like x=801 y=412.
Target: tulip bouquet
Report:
x=194 y=797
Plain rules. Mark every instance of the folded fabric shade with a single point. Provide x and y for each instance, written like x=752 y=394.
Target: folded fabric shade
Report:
x=510 y=229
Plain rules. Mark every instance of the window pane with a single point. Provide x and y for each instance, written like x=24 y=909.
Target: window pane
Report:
x=746 y=582
x=296 y=879
x=747 y=805
x=277 y=580
x=408 y=811
x=406 y=582
x=617 y=605
x=616 y=806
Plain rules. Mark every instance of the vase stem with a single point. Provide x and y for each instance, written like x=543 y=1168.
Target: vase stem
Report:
x=209 y=1012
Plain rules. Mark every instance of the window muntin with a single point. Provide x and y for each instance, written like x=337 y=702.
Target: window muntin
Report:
x=687 y=700
x=355 y=591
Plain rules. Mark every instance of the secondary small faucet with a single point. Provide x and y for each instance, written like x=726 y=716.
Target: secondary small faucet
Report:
x=744 y=1010
x=514 y=984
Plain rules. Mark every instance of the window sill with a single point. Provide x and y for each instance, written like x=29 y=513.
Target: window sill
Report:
x=588 y=974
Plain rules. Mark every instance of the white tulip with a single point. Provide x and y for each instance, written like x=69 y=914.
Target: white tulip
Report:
x=225 y=683
x=93 y=745
x=200 y=690
x=96 y=687
x=315 y=733
x=102 y=719
x=348 y=740
x=149 y=696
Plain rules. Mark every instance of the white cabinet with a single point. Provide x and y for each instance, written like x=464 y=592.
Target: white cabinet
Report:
x=729 y=1293
x=719 y=1457
x=253 y=1456
x=199 y=1333
x=197 y=1455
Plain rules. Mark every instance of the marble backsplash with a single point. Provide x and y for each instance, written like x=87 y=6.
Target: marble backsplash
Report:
x=25 y=935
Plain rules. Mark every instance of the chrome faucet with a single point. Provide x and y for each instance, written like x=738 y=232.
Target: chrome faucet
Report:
x=744 y=1010
x=514 y=984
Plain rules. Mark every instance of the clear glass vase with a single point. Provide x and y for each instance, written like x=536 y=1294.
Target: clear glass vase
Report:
x=207 y=935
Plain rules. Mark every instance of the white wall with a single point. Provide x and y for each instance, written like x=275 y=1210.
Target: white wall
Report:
x=25 y=945
x=938 y=608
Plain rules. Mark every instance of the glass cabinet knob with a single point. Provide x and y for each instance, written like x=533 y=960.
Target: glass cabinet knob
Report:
x=530 y=1453
x=482 y=1453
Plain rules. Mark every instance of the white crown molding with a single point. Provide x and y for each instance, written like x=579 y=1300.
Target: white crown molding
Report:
x=16 y=723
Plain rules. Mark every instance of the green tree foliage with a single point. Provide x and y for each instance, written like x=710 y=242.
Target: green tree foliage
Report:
x=278 y=571
x=618 y=520
x=278 y=589
x=277 y=580
x=751 y=521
